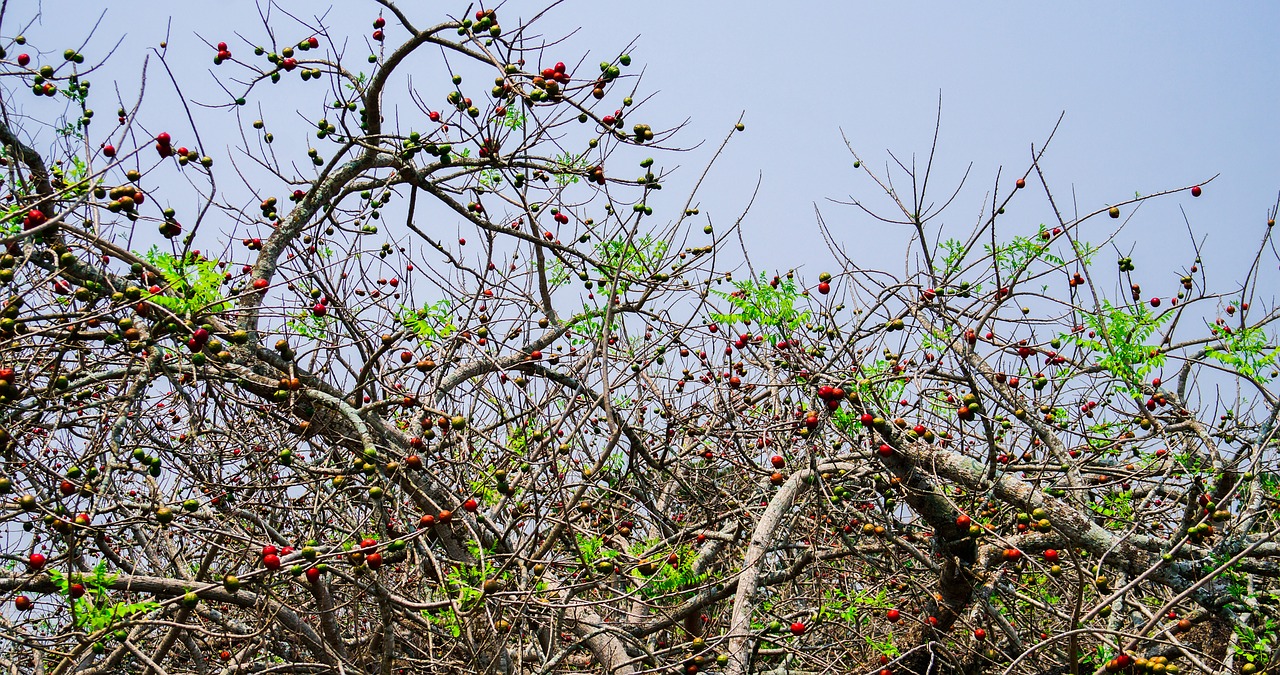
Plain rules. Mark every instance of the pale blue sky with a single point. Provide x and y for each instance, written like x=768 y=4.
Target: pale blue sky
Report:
x=1155 y=95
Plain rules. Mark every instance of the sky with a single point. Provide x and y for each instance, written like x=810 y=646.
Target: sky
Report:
x=1153 y=96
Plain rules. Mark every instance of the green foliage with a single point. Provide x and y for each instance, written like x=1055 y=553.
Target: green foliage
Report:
x=1013 y=257
x=1243 y=349
x=94 y=611
x=1127 y=356
x=514 y=118
x=490 y=178
x=629 y=258
x=882 y=386
x=1117 y=507
x=952 y=258
x=195 y=281
x=885 y=646
x=309 y=325
x=570 y=165
x=434 y=321
x=760 y=302
x=856 y=608
x=668 y=579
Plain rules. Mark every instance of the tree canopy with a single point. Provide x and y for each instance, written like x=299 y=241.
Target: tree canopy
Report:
x=428 y=385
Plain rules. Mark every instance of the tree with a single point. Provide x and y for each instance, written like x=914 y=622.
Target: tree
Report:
x=566 y=439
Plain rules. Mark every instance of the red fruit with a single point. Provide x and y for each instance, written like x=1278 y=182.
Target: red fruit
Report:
x=980 y=634
x=373 y=560
x=963 y=521
x=108 y=151
x=319 y=309
x=67 y=488
x=24 y=59
x=427 y=521
x=885 y=450
x=1012 y=554
x=75 y=591
x=777 y=461
x=1155 y=302
x=377 y=35
x=22 y=602
x=271 y=561
x=893 y=615
x=36 y=561
x=1195 y=191
x=379 y=22
x=313 y=42
x=673 y=559
x=413 y=462
x=1051 y=555
x=445 y=516
x=269 y=550
x=368 y=545
x=1020 y=183
x=824 y=288
x=313 y=574
x=797 y=628
x=163 y=138
x=470 y=506
x=261 y=284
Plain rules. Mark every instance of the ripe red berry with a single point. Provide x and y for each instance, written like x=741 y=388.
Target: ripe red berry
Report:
x=797 y=628
x=271 y=561
x=980 y=634
x=470 y=505
x=36 y=561
x=1020 y=183
x=22 y=602
x=24 y=59
x=893 y=615
x=777 y=461
x=1195 y=191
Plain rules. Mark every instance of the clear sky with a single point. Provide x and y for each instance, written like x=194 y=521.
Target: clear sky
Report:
x=1156 y=96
